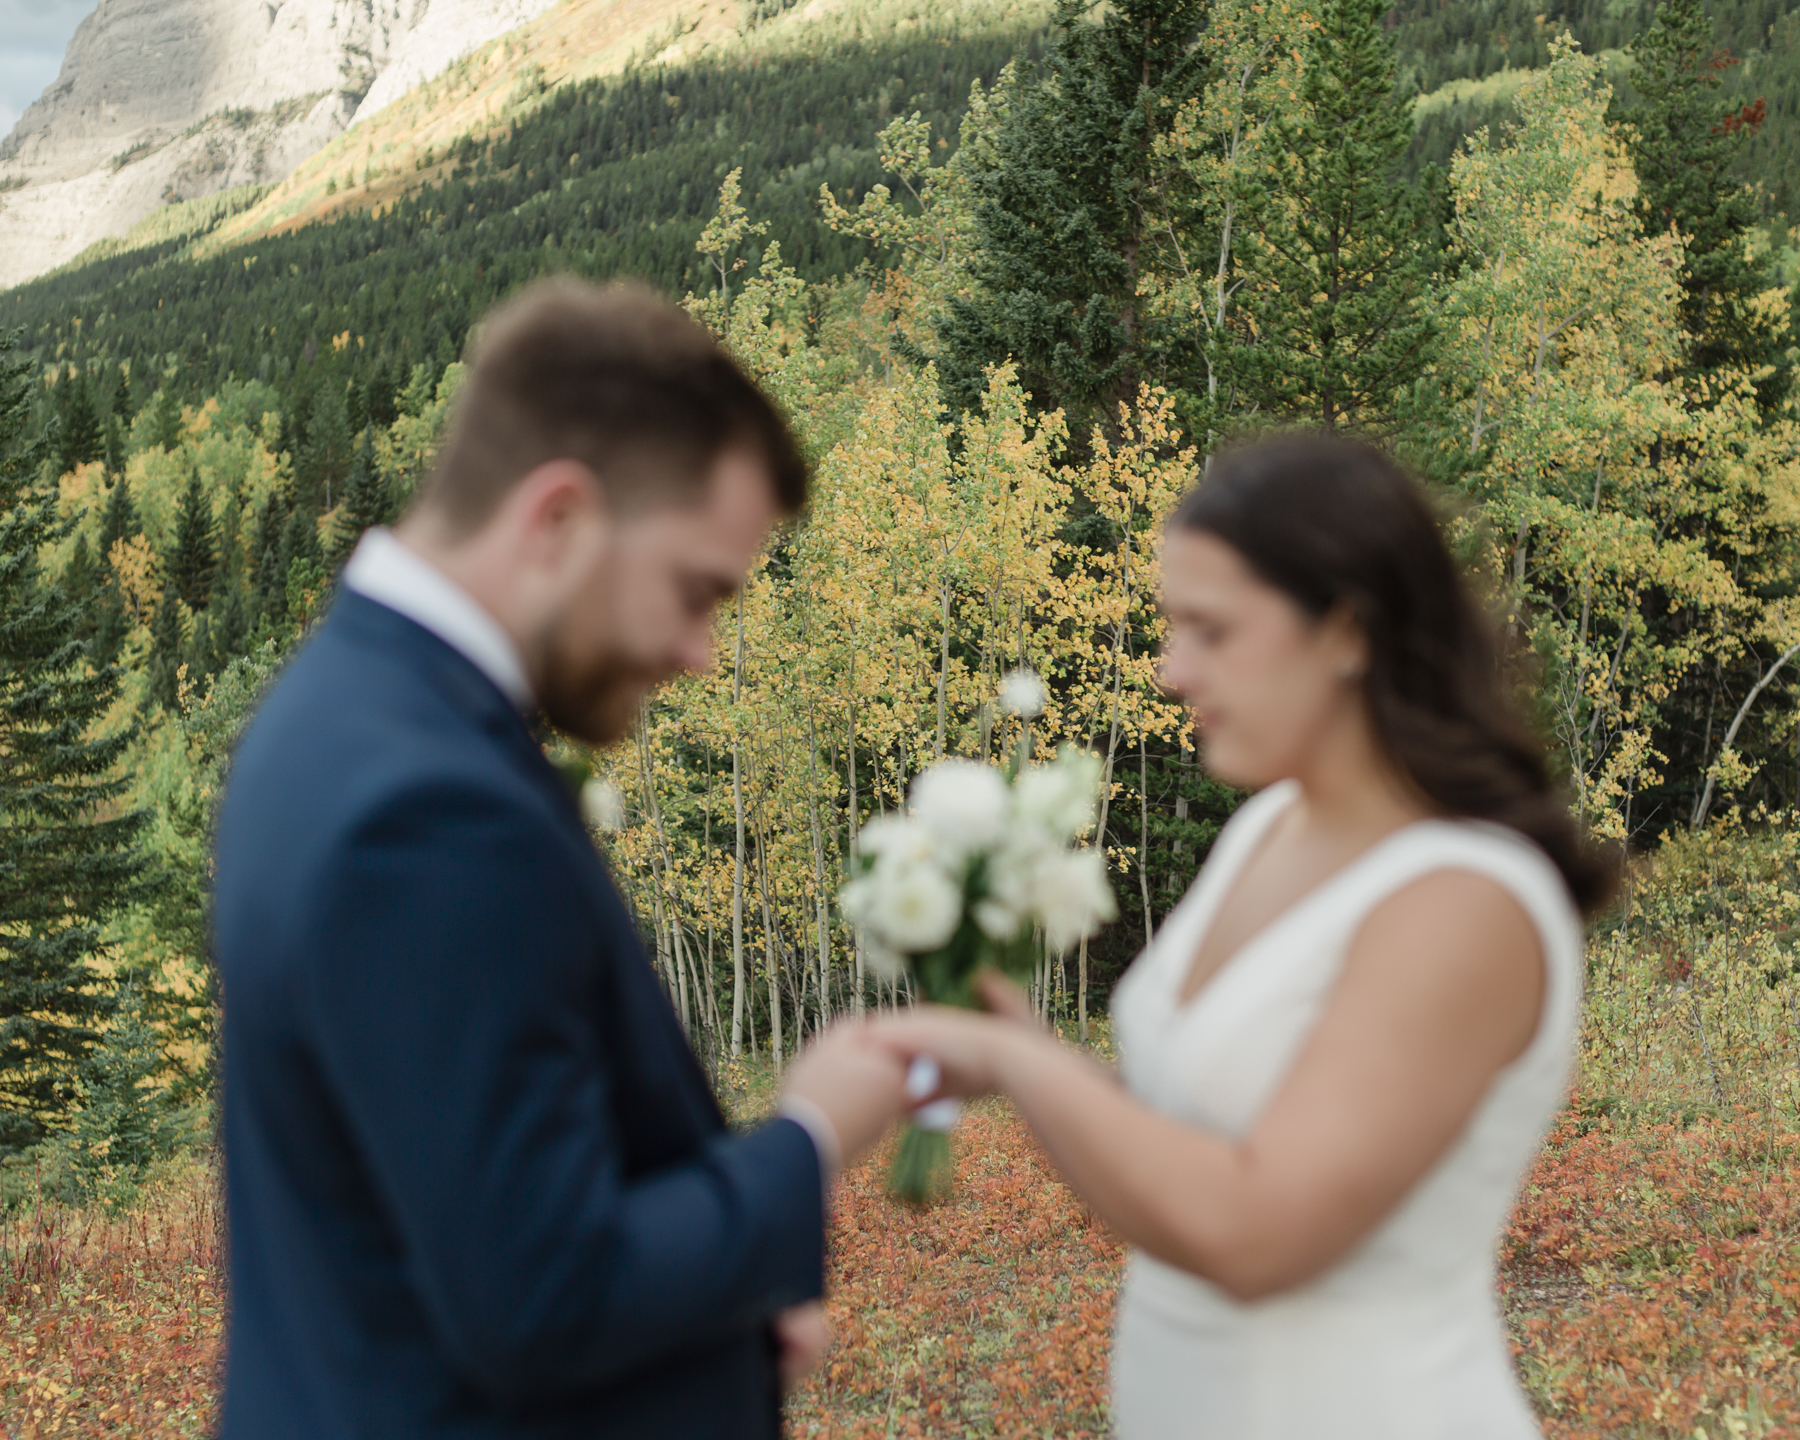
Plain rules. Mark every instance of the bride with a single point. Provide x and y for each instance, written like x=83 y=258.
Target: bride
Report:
x=1342 y=1048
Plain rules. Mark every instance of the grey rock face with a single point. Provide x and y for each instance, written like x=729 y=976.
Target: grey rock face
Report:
x=165 y=100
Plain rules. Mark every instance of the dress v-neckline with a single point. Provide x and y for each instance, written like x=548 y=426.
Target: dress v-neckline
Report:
x=1181 y=1007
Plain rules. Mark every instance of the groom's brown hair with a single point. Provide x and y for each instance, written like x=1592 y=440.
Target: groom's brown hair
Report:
x=614 y=377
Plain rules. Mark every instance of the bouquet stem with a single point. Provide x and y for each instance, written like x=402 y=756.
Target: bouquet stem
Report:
x=922 y=1169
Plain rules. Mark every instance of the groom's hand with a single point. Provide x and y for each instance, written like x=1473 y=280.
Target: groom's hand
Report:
x=804 y=1337
x=855 y=1084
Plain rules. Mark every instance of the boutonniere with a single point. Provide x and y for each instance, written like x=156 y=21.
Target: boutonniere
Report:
x=599 y=800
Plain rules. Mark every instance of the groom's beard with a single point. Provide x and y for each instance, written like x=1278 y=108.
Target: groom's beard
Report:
x=597 y=702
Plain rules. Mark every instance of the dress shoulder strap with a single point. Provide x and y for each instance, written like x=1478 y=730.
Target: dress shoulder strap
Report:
x=1524 y=871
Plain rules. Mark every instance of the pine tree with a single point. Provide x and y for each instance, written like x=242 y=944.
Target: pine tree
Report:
x=1339 y=263
x=1685 y=143
x=299 y=541
x=111 y=624
x=66 y=861
x=81 y=580
x=268 y=583
x=118 y=520
x=82 y=439
x=366 y=502
x=382 y=410
x=120 y=408
x=230 y=626
x=1063 y=213
x=165 y=417
x=194 y=558
x=115 y=448
x=127 y=1119
x=324 y=460
x=168 y=653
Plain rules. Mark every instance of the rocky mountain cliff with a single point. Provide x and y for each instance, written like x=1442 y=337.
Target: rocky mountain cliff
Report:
x=166 y=100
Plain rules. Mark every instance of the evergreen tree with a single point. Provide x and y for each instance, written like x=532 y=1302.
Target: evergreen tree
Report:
x=229 y=624
x=1686 y=140
x=382 y=409
x=82 y=439
x=202 y=657
x=1063 y=215
x=127 y=1119
x=268 y=583
x=118 y=520
x=81 y=579
x=120 y=408
x=299 y=541
x=111 y=624
x=66 y=863
x=194 y=558
x=168 y=653
x=1339 y=262
x=324 y=460
x=114 y=447
x=366 y=501
x=165 y=417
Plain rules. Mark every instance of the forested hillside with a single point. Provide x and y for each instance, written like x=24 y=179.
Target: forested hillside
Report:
x=1466 y=58
x=1014 y=280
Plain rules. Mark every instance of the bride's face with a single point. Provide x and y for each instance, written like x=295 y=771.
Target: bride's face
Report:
x=1267 y=683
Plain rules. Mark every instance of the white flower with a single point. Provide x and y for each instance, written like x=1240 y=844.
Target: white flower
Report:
x=1012 y=867
x=884 y=962
x=916 y=908
x=998 y=922
x=601 y=804
x=896 y=838
x=963 y=804
x=1073 y=897
x=857 y=900
x=1022 y=693
x=1060 y=796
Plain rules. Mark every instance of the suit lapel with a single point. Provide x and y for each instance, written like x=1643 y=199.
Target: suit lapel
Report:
x=654 y=1025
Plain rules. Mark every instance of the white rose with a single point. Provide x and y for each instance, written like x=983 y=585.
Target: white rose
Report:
x=894 y=838
x=1073 y=898
x=963 y=804
x=1022 y=693
x=857 y=900
x=998 y=922
x=601 y=804
x=916 y=908
x=884 y=962
x=1061 y=796
x=1014 y=866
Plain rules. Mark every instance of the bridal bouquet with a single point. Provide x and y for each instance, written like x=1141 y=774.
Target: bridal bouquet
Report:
x=982 y=863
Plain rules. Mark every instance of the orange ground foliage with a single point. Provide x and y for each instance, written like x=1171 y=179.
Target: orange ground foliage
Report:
x=110 y=1324
x=1652 y=1277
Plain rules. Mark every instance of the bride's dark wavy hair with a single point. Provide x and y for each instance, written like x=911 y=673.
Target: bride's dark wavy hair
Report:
x=1336 y=524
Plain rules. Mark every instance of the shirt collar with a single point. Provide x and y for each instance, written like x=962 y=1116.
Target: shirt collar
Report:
x=385 y=571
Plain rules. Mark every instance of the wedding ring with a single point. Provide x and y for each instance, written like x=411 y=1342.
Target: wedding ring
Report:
x=922 y=1078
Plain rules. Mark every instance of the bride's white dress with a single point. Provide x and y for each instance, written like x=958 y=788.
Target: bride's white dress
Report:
x=1402 y=1339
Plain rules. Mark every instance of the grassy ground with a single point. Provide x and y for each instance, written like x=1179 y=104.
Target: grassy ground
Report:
x=1652 y=1279
x=1651 y=1270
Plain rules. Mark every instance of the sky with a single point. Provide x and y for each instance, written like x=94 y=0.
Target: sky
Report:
x=33 y=36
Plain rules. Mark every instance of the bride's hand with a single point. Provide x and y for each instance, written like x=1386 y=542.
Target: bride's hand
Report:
x=1004 y=997
x=969 y=1048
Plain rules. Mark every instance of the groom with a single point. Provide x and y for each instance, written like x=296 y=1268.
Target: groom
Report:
x=478 y=1185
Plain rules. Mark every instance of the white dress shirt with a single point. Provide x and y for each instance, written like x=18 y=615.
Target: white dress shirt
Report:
x=385 y=571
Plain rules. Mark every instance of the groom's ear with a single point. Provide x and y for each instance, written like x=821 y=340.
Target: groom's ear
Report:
x=556 y=505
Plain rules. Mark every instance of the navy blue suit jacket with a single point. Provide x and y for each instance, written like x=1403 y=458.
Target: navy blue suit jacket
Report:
x=478 y=1185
